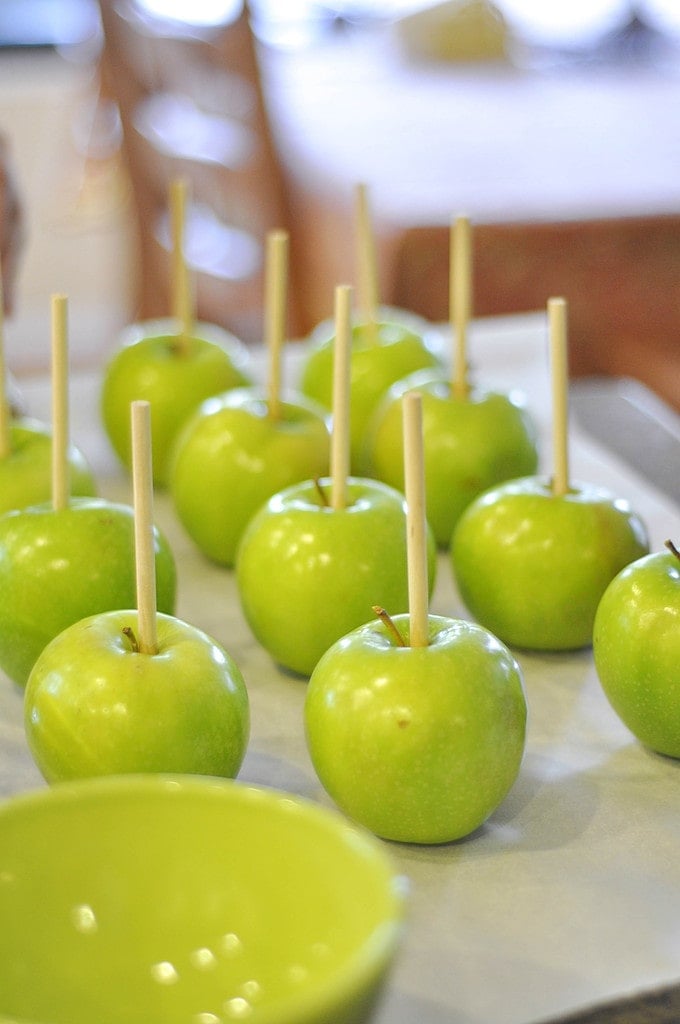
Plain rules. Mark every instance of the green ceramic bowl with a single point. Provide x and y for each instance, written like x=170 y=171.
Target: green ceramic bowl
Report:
x=166 y=899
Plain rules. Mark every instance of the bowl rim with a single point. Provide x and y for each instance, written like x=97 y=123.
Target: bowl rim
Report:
x=360 y=972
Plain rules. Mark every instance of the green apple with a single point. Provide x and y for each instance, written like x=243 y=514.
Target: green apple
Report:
x=532 y=566
x=233 y=455
x=26 y=473
x=417 y=744
x=59 y=566
x=95 y=705
x=469 y=444
x=308 y=573
x=636 y=647
x=381 y=354
x=174 y=375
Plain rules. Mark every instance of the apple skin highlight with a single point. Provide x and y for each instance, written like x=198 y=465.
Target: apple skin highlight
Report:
x=95 y=706
x=470 y=444
x=232 y=455
x=532 y=566
x=636 y=647
x=26 y=473
x=57 y=567
x=417 y=744
x=307 y=573
x=379 y=357
x=174 y=374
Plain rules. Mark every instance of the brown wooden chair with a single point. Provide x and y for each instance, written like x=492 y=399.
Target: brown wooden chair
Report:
x=620 y=276
x=191 y=106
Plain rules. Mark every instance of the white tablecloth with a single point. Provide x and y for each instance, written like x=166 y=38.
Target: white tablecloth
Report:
x=570 y=894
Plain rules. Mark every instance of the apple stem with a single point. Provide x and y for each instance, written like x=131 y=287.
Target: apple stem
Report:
x=460 y=302
x=557 y=317
x=367 y=263
x=276 y=288
x=673 y=549
x=4 y=404
x=416 y=522
x=323 y=497
x=129 y=634
x=340 y=446
x=390 y=625
x=60 y=410
x=145 y=565
x=181 y=289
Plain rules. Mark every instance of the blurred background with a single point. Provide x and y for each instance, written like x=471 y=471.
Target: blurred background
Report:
x=553 y=126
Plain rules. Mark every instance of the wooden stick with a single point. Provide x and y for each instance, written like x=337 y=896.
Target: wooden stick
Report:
x=557 y=319
x=340 y=444
x=182 y=297
x=460 y=301
x=367 y=263
x=60 y=406
x=5 y=446
x=276 y=289
x=416 y=529
x=145 y=564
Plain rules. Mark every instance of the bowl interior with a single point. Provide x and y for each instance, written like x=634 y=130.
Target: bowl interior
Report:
x=158 y=899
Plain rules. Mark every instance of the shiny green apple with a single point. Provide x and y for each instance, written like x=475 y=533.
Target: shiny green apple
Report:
x=636 y=647
x=96 y=705
x=174 y=375
x=378 y=359
x=417 y=744
x=26 y=473
x=233 y=455
x=469 y=444
x=57 y=567
x=532 y=566
x=308 y=573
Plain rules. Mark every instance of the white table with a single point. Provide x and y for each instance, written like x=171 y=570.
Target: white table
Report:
x=570 y=894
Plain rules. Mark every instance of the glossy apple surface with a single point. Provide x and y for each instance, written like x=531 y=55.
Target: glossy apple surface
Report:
x=26 y=473
x=418 y=744
x=173 y=377
x=374 y=367
x=232 y=456
x=469 y=445
x=57 y=567
x=307 y=573
x=94 y=705
x=532 y=567
x=636 y=647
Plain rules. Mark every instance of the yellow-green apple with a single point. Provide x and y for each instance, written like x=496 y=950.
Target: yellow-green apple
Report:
x=532 y=566
x=381 y=354
x=174 y=374
x=233 y=455
x=636 y=647
x=97 y=705
x=26 y=473
x=419 y=744
x=308 y=573
x=470 y=443
x=59 y=566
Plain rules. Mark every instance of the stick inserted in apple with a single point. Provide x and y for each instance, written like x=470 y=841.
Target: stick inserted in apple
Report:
x=532 y=557
x=134 y=690
x=174 y=363
x=69 y=557
x=26 y=444
x=473 y=437
x=383 y=351
x=319 y=554
x=243 y=446
x=415 y=723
